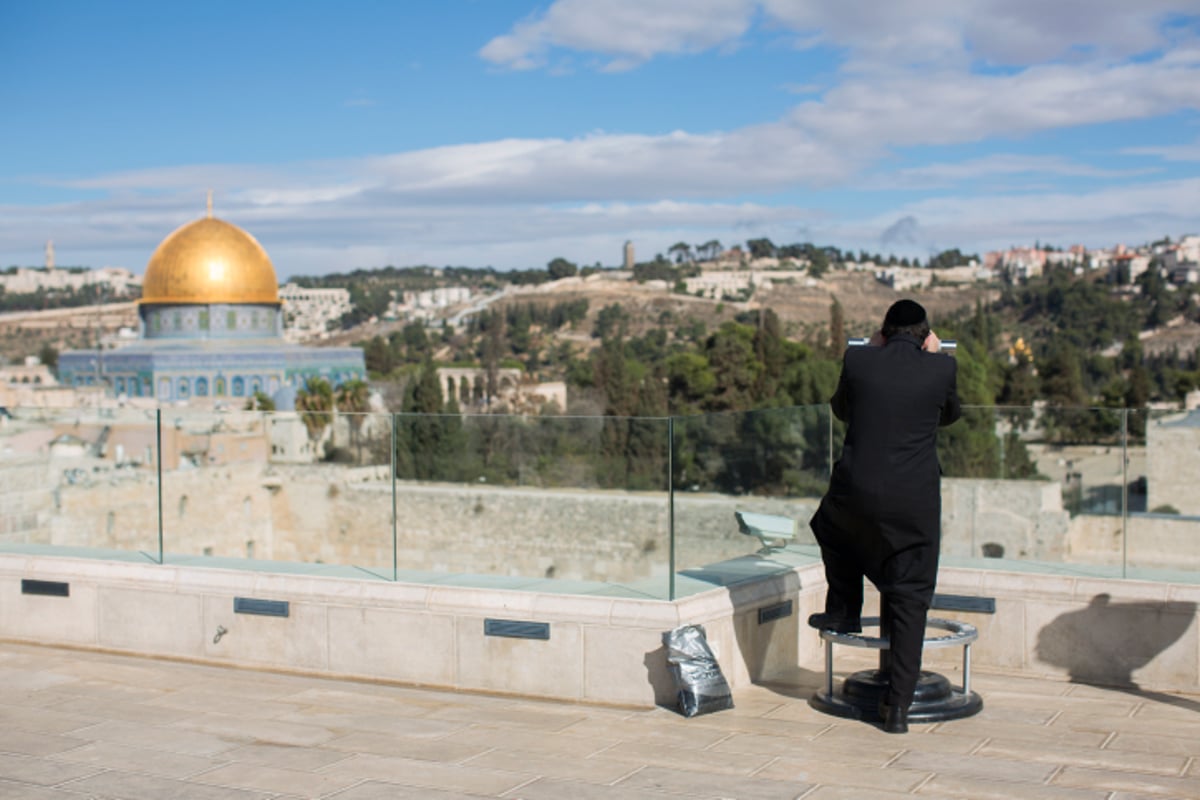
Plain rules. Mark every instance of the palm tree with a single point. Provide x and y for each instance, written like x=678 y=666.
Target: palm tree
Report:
x=315 y=404
x=260 y=401
x=354 y=398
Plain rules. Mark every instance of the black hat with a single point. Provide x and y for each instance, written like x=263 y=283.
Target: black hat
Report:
x=904 y=313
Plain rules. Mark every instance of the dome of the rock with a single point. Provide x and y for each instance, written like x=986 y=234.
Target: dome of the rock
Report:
x=210 y=261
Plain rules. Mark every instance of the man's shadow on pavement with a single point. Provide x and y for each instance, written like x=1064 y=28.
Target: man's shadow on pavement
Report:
x=1103 y=644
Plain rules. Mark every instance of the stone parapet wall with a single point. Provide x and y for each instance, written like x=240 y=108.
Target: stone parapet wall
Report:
x=1108 y=631
x=599 y=649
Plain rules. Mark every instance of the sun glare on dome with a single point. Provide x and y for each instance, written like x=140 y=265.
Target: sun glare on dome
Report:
x=216 y=270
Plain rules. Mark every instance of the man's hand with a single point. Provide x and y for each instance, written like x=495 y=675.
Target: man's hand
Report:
x=932 y=343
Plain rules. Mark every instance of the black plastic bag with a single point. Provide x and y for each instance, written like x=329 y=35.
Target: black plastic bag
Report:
x=701 y=686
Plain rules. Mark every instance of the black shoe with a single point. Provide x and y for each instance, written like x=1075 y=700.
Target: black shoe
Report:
x=830 y=622
x=895 y=718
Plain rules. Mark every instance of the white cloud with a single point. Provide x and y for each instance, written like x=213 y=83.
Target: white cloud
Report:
x=1008 y=32
x=907 y=79
x=910 y=78
x=627 y=31
x=1131 y=214
x=821 y=143
x=911 y=108
x=1181 y=152
x=333 y=235
x=998 y=165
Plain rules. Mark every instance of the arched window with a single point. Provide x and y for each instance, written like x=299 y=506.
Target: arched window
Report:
x=255 y=386
x=119 y=386
x=164 y=388
x=184 y=388
x=201 y=387
x=219 y=387
x=239 y=387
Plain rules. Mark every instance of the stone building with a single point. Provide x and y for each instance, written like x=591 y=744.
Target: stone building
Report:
x=308 y=312
x=1172 y=461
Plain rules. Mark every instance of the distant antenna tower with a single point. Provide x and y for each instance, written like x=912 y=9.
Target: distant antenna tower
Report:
x=49 y=255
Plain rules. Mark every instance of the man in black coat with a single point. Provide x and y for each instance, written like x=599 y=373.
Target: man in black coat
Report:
x=881 y=517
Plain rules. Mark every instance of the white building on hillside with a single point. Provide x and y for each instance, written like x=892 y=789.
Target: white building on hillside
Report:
x=730 y=283
x=425 y=304
x=26 y=280
x=308 y=312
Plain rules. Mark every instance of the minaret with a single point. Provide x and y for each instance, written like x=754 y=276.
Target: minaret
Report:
x=49 y=255
x=628 y=259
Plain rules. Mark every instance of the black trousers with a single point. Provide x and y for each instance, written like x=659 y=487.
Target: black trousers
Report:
x=905 y=579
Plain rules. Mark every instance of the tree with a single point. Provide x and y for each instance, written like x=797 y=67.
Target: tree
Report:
x=492 y=351
x=260 y=401
x=730 y=352
x=818 y=263
x=761 y=248
x=416 y=342
x=354 y=398
x=378 y=356
x=709 y=250
x=682 y=252
x=561 y=268
x=315 y=404
x=690 y=382
x=429 y=436
x=837 y=329
x=48 y=355
x=611 y=319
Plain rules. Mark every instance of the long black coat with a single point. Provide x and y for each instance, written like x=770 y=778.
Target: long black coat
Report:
x=885 y=490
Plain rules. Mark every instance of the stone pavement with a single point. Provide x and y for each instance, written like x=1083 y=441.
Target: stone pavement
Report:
x=94 y=725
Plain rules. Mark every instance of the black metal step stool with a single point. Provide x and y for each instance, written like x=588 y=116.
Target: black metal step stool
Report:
x=935 y=699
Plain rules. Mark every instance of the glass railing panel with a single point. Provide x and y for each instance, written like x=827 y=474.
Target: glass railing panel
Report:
x=80 y=480
x=1034 y=489
x=286 y=491
x=544 y=503
x=1163 y=525
x=771 y=462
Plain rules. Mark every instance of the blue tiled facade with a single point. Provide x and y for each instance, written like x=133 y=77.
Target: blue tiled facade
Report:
x=212 y=351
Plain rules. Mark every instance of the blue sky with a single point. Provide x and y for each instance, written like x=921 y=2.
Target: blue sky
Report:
x=489 y=132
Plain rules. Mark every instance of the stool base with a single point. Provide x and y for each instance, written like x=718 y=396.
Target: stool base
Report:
x=859 y=695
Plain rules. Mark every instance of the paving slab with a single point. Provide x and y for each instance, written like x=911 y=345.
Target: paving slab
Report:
x=77 y=723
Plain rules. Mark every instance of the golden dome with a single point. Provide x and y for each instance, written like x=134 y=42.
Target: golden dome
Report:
x=210 y=261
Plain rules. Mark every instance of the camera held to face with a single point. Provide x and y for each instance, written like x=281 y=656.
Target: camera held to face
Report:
x=948 y=345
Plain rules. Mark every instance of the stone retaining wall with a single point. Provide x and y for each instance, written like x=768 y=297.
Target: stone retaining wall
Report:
x=339 y=515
